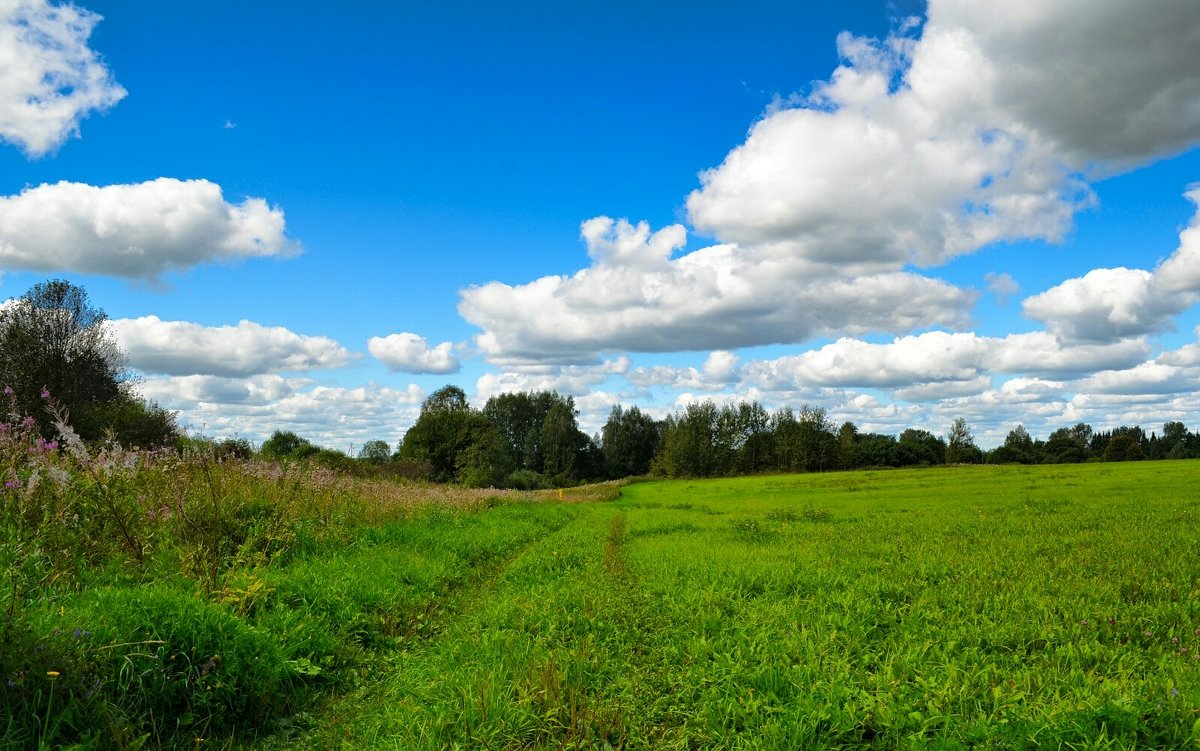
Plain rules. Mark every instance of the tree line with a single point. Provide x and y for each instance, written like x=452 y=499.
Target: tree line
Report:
x=58 y=360
x=532 y=439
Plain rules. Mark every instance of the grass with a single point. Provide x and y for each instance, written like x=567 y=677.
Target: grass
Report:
x=952 y=608
x=166 y=602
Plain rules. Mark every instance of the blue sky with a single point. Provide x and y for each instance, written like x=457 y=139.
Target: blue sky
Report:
x=303 y=216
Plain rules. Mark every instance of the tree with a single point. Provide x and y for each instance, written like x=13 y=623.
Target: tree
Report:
x=629 y=441
x=1123 y=447
x=1068 y=445
x=960 y=446
x=561 y=442
x=847 y=445
x=441 y=433
x=1018 y=448
x=375 y=451
x=56 y=348
x=284 y=444
x=519 y=417
x=692 y=443
x=922 y=447
x=486 y=461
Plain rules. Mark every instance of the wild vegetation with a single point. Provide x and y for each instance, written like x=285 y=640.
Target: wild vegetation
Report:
x=158 y=600
x=204 y=594
x=152 y=598
x=988 y=607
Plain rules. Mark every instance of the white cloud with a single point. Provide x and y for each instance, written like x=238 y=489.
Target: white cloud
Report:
x=136 y=231
x=1102 y=305
x=568 y=380
x=636 y=297
x=916 y=150
x=1043 y=354
x=1109 y=304
x=1105 y=81
x=1146 y=378
x=410 y=353
x=1002 y=285
x=1179 y=274
x=922 y=149
x=721 y=367
x=336 y=417
x=938 y=363
x=49 y=78
x=182 y=348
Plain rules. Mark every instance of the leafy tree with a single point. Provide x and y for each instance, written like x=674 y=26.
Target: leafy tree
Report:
x=1018 y=448
x=960 y=446
x=922 y=447
x=561 y=442
x=133 y=423
x=876 y=450
x=847 y=445
x=56 y=348
x=486 y=461
x=53 y=341
x=1123 y=447
x=519 y=417
x=692 y=443
x=1174 y=432
x=441 y=433
x=629 y=441
x=284 y=444
x=375 y=451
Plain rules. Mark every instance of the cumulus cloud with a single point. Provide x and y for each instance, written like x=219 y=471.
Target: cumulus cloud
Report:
x=332 y=416
x=937 y=364
x=920 y=149
x=984 y=125
x=410 y=353
x=1109 y=304
x=1146 y=378
x=136 y=231
x=1104 y=304
x=181 y=348
x=569 y=380
x=637 y=297
x=49 y=78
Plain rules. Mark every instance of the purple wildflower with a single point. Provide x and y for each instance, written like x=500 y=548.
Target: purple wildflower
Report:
x=12 y=484
x=45 y=393
x=8 y=390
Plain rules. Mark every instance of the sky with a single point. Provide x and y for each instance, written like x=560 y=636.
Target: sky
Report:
x=309 y=216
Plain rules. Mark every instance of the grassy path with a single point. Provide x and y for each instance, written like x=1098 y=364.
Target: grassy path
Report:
x=999 y=608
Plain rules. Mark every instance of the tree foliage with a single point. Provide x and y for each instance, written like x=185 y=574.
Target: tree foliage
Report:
x=629 y=442
x=56 y=348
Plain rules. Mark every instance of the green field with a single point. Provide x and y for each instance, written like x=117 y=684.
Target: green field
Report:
x=181 y=603
x=1012 y=607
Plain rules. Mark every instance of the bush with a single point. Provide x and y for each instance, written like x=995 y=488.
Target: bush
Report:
x=526 y=479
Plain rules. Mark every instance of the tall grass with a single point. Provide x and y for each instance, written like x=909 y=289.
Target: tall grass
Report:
x=152 y=599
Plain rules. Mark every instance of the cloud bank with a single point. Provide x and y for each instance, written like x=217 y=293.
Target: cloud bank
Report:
x=987 y=126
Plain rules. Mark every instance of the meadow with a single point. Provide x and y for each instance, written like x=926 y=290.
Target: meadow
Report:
x=963 y=607
x=206 y=604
